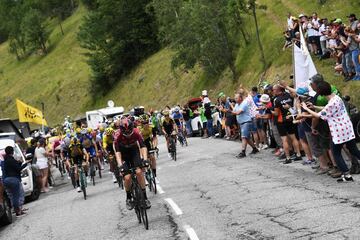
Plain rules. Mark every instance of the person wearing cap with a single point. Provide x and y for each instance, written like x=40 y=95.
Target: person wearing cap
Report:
x=205 y=98
x=353 y=21
x=303 y=124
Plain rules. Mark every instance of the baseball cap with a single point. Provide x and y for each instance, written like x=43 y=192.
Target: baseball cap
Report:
x=302 y=91
x=352 y=15
x=204 y=93
x=301 y=15
x=338 y=20
x=221 y=94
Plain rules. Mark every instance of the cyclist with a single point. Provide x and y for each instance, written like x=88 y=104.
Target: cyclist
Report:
x=168 y=127
x=89 y=145
x=146 y=130
x=98 y=147
x=155 y=123
x=108 y=140
x=179 y=121
x=130 y=150
x=65 y=152
x=77 y=155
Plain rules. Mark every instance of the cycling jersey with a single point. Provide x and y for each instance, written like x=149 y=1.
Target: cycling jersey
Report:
x=76 y=153
x=146 y=132
x=177 y=118
x=129 y=148
x=168 y=125
x=107 y=141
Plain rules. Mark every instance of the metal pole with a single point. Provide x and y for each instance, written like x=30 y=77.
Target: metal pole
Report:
x=43 y=116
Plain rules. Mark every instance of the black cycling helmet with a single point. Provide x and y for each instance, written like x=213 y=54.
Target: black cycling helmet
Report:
x=126 y=127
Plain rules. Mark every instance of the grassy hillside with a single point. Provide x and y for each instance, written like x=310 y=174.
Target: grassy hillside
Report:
x=60 y=79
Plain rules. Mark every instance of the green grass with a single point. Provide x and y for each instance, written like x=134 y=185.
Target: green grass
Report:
x=61 y=79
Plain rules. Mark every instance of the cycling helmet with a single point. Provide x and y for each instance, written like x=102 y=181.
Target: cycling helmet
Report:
x=166 y=113
x=83 y=131
x=109 y=131
x=78 y=130
x=144 y=119
x=89 y=130
x=126 y=127
x=177 y=109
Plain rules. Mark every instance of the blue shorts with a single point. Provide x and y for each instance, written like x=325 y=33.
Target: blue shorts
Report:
x=254 y=127
x=246 y=129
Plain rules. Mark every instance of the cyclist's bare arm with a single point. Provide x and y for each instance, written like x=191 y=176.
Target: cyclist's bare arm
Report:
x=118 y=158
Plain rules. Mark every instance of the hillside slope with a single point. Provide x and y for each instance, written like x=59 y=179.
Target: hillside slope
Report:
x=60 y=79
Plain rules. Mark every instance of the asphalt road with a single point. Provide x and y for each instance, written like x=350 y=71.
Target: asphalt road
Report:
x=206 y=194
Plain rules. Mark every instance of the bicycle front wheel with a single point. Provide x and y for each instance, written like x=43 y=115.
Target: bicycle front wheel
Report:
x=144 y=217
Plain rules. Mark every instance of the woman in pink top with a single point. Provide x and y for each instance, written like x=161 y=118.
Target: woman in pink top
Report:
x=341 y=128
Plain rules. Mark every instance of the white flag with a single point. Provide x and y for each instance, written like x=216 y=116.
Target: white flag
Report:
x=304 y=67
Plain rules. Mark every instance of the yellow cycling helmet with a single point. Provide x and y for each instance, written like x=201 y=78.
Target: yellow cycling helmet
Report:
x=78 y=130
x=109 y=131
x=89 y=130
x=101 y=129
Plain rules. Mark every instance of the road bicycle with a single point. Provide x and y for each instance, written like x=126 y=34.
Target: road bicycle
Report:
x=149 y=174
x=82 y=179
x=138 y=197
x=94 y=165
x=172 y=146
x=119 y=178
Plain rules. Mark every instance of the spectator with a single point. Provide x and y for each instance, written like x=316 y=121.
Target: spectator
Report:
x=41 y=155
x=187 y=114
x=353 y=45
x=258 y=122
x=287 y=129
x=244 y=119
x=12 y=180
x=341 y=128
x=209 y=119
x=347 y=63
x=353 y=21
x=204 y=96
x=323 y=32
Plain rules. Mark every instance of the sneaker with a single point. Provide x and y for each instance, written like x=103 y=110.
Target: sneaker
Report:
x=307 y=162
x=347 y=178
x=264 y=147
x=296 y=158
x=282 y=156
x=241 y=155
x=147 y=204
x=129 y=204
x=69 y=178
x=287 y=161
x=114 y=179
x=20 y=214
x=321 y=171
x=316 y=166
x=78 y=189
x=337 y=174
x=255 y=151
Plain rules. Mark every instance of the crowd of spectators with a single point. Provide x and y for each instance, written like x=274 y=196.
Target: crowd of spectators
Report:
x=326 y=38
x=315 y=129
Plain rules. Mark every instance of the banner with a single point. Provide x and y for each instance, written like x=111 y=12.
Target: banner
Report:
x=29 y=114
x=304 y=67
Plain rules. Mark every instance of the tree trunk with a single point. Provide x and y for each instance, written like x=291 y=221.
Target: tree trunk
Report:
x=61 y=28
x=263 y=60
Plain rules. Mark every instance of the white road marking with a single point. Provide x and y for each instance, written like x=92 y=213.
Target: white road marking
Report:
x=174 y=206
x=191 y=232
x=159 y=189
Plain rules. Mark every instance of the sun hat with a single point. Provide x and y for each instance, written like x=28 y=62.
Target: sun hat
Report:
x=265 y=98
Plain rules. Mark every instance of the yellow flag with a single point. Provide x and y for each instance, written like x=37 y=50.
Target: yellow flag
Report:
x=29 y=114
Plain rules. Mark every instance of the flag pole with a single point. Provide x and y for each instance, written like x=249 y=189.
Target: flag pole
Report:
x=43 y=117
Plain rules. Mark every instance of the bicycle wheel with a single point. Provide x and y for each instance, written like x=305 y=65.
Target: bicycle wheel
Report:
x=72 y=177
x=148 y=179
x=92 y=172
x=144 y=217
x=82 y=183
x=153 y=180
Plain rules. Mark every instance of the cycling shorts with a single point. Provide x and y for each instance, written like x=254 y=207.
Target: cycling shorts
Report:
x=110 y=150
x=148 y=144
x=131 y=158
x=76 y=160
